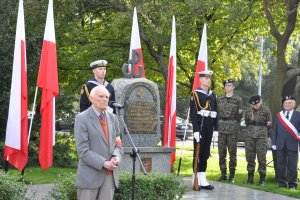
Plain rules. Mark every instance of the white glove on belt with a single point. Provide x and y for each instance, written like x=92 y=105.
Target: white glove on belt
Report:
x=197 y=136
x=274 y=147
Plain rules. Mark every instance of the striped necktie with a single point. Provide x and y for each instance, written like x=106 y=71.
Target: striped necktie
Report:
x=102 y=116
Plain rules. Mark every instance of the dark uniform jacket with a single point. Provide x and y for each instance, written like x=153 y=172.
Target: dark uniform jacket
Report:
x=208 y=101
x=282 y=138
x=84 y=100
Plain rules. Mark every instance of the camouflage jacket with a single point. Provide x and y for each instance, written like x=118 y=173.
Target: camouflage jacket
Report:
x=228 y=113
x=256 y=122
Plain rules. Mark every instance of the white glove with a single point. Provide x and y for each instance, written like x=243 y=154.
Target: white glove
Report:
x=274 y=147
x=215 y=134
x=197 y=136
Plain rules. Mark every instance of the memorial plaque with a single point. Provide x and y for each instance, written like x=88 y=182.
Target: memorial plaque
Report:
x=141 y=111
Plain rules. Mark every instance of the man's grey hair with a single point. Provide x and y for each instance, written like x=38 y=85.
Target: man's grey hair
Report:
x=98 y=87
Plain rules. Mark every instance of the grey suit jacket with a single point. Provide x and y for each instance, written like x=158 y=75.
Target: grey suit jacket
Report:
x=282 y=138
x=93 y=148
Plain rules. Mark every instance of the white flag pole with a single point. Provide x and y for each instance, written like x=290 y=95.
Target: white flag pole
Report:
x=260 y=67
x=32 y=113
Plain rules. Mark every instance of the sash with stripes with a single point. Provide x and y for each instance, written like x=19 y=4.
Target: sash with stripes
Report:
x=289 y=126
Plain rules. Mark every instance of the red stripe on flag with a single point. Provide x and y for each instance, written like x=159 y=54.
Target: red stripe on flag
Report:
x=48 y=81
x=170 y=118
x=199 y=68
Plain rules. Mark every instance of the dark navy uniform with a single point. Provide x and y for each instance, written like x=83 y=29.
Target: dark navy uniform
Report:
x=203 y=109
x=86 y=89
x=285 y=141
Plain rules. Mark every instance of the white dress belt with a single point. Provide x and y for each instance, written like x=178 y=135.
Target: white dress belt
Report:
x=207 y=113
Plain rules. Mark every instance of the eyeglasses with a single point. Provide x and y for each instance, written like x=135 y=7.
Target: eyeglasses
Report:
x=228 y=85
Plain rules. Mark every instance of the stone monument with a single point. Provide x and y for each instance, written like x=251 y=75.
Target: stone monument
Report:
x=141 y=114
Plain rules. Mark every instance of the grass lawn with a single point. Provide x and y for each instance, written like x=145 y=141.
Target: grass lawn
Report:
x=36 y=175
x=213 y=171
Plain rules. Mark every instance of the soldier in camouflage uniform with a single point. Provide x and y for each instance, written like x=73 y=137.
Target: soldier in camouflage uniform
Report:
x=258 y=121
x=229 y=115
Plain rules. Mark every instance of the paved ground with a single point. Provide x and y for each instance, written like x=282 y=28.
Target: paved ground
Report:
x=39 y=192
x=222 y=191
x=225 y=191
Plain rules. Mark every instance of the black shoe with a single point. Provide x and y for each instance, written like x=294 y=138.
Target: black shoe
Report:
x=223 y=177
x=282 y=186
x=207 y=187
x=292 y=187
x=250 y=179
x=231 y=179
x=262 y=179
x=261 y=183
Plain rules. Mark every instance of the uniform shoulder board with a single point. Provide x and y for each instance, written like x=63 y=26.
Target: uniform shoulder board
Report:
x=82 y=89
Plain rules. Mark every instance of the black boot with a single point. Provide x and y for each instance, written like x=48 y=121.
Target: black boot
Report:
x=231 y=177
x=262 y=178
x=223 y=177
x=250 y=178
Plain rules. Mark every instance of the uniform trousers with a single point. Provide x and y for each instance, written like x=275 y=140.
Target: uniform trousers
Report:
x=287 y=167
x=227 y=142
x=105 y=192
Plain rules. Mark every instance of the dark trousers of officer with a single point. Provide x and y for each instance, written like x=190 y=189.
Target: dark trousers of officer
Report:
x=205 y=143
x=287 y=167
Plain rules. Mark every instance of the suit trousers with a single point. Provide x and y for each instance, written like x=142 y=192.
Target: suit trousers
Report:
x=287 y=169
x=105 y=192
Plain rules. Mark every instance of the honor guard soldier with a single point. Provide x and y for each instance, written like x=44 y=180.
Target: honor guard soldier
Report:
x=203 y=109
x=285 y=140
x=99 y=70
x=229 y=115
x=258 y=121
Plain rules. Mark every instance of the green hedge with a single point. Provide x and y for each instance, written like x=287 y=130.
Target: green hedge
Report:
x=11 y=188
x=154 y=186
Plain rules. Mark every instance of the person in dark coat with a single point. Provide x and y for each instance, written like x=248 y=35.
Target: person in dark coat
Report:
x=285 y=140
x=99 y=70
x=203 y=109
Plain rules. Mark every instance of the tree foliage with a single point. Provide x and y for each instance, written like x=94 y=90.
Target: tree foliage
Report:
x=87 y=30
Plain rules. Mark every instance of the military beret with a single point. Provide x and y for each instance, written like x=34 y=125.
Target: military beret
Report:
x=206 y=73
x=254 y=99
x=290 y=97
x=228 y=81
x=98 y=63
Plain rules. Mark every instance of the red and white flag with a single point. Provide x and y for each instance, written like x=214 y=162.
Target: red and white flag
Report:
x=170 y=109
x=202 y=59
x=135 y=44
x=16 y=140
x=48 y=82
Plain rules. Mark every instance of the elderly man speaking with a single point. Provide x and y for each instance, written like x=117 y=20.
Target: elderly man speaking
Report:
x=99 y=148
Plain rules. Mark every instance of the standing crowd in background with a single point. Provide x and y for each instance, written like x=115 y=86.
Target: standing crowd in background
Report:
x=211 y=115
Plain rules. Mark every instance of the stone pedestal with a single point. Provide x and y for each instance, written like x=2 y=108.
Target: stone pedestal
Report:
x=141 y=114
x=154 y=159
